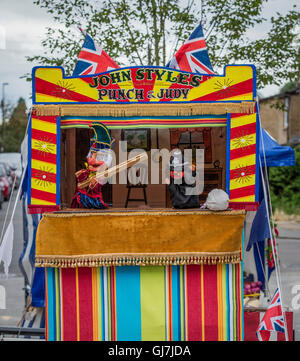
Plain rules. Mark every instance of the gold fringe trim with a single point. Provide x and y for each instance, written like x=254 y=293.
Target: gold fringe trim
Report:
x=136 y=260
x=69 y=214
x=153 y=109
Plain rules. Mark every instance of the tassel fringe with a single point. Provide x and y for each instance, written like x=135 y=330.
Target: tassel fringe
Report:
x=120 y=110
x=135 y=260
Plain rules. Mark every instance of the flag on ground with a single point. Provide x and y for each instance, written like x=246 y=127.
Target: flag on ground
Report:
x=192 y=56
x=92 y=59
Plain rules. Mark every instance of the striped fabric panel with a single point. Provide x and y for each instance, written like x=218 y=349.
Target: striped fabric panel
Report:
x=44 y=146
x=242 y=169
x=153 y=303
x=175 y=303
x=128 y=308
x=155 y=122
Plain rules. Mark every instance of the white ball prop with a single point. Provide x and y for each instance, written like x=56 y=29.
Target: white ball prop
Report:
x=217 y=200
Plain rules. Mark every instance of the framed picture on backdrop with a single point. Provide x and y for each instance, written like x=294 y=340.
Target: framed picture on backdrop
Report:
x=137 y=138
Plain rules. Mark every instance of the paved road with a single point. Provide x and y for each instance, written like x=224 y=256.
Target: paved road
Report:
x=289 y=255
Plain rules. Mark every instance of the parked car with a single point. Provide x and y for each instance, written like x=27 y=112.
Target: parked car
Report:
x=1 y=194
x=17 y=173
x=5 y=182
x=9 y=172
x=14 y=160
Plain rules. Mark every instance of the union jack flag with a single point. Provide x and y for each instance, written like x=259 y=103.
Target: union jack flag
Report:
x=273 y=320
x=92 y=59
x=192 y=56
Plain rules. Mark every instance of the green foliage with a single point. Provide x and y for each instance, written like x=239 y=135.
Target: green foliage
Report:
x=285 y=186
x=131 y=32
x=13 y=131
x=276 y=55
x=148 y=32
x=289 y=87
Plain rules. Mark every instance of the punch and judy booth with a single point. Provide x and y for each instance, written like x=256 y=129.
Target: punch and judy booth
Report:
x=140 y=269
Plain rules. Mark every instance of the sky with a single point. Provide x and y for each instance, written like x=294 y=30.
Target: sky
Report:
x=23 y=26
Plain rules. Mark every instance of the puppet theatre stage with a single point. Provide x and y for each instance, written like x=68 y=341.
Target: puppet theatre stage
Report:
x=192 y=294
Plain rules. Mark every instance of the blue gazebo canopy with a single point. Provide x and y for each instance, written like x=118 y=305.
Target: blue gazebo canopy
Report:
x=276 y=154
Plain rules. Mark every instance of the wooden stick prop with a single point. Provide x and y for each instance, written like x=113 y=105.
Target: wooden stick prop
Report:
x=107 y=173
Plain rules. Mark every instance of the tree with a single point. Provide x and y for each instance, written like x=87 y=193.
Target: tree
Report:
x=285 y=186
x=14 y=129
x=290 y=86
x=148 y=32
x=7 y=109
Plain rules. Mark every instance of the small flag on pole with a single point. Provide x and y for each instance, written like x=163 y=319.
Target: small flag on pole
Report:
x=273 y=320
x=192 y=56
x=260 y=226
x=6 y=246
x=92 y=59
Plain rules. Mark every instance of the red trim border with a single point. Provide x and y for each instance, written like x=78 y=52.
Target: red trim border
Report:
x=248 y=206
x=33 y=209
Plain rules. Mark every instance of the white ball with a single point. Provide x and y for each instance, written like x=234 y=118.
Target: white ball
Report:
x=217 y=200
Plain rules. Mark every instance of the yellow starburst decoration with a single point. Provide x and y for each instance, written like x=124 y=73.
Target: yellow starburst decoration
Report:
x=222 y=86
x=243 y=140
x=63 y=90
x=44 y=146
x=242 y=174
x=44 y=177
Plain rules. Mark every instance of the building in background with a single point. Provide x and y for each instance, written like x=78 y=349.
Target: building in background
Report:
x=280 y=116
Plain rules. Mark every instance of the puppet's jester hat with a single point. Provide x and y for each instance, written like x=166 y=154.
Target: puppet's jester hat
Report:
x=102 y=138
